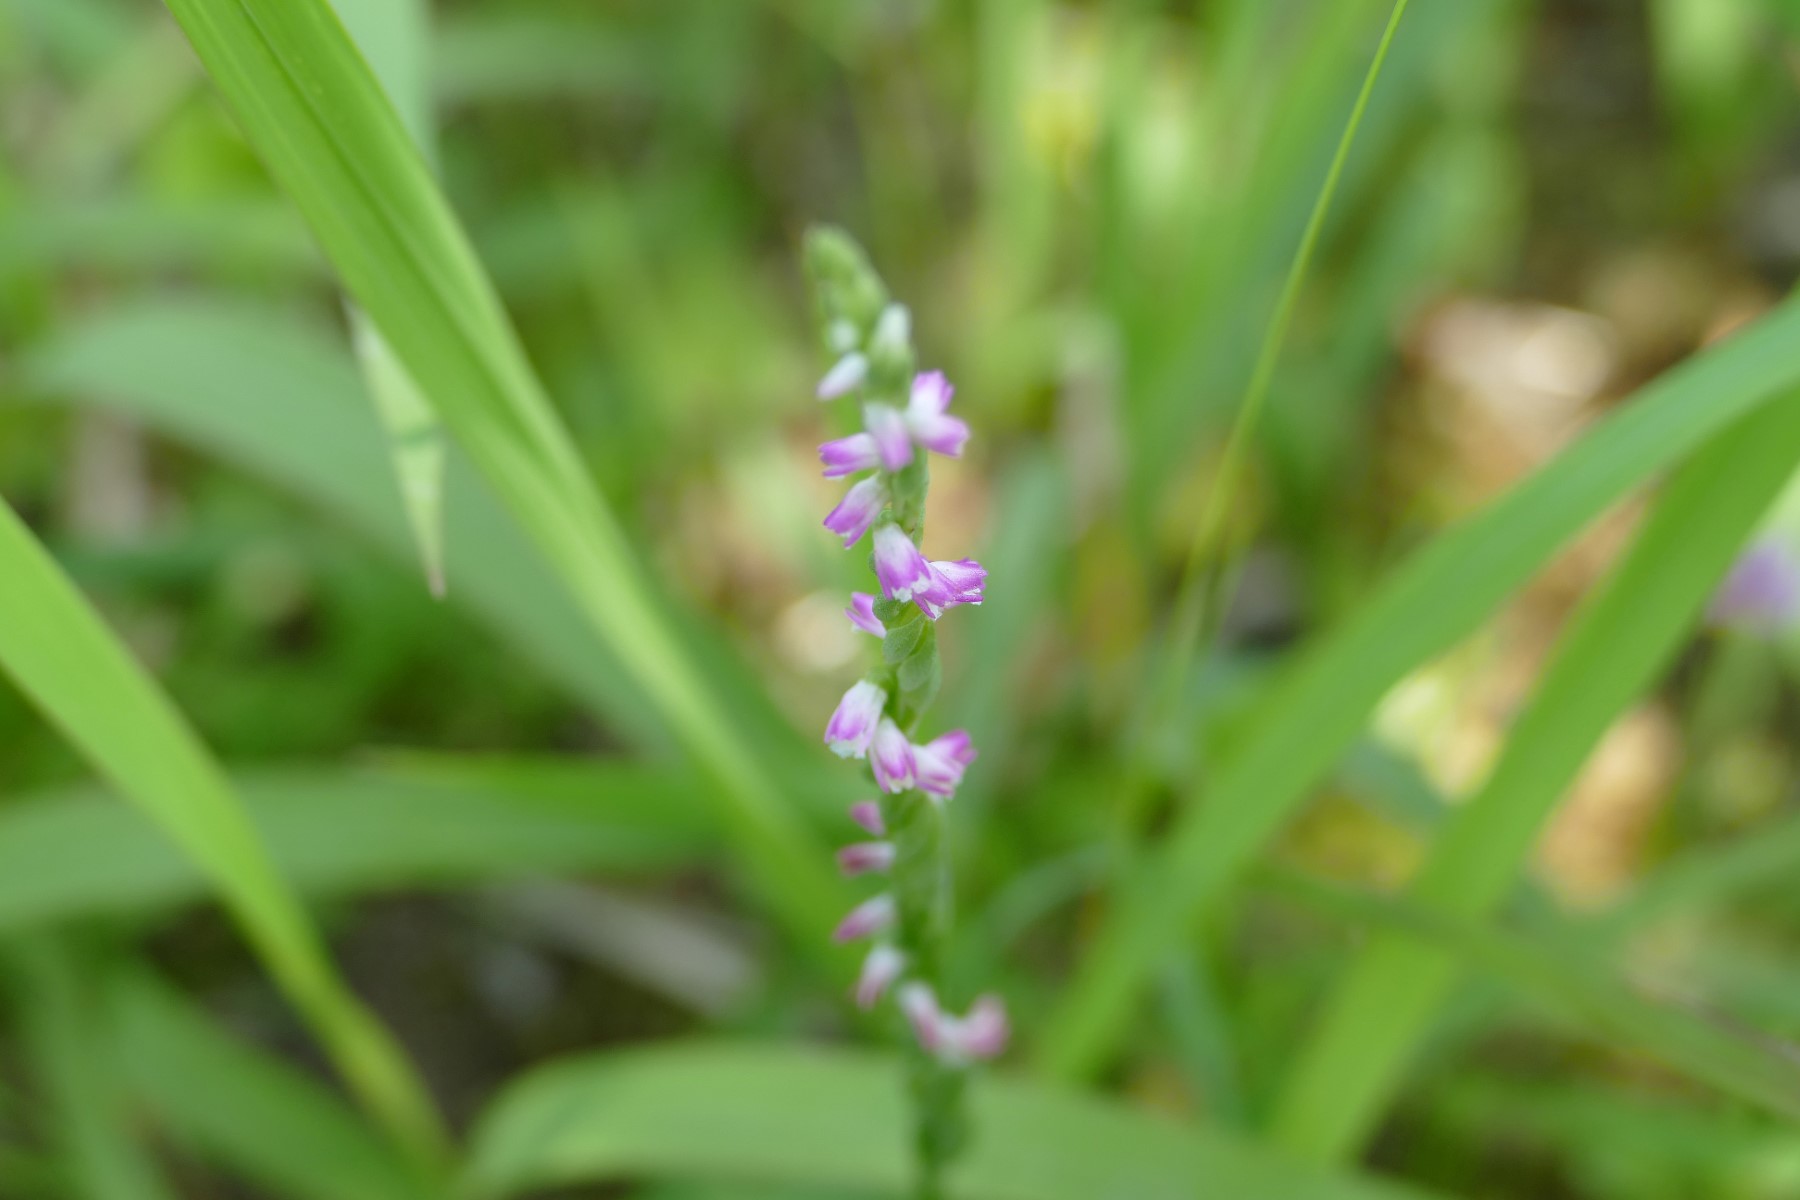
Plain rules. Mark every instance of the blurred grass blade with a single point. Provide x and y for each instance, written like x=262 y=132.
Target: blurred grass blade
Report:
x=834 y=1119
x=1437 y=597
x=1207 y=572
x=246 y=1110
x=1616 y=647
x=1706 y=1048
x=415 y=443
x=391 y=36
x=62 y=1027
x=333 y=832
x=270 y=395
x=310 y=107
x=61 y=655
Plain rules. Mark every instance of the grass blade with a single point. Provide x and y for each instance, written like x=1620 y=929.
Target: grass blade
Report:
x=62 y=1026
x=1704 y=1047
x=1204 y=580
x=271 y=396
x=833 y=1119
x=1616 y=647
x=391 y=36
x=310 y=107
x=68 y=663
x=246 y=1110
x=426 y=823
x=1437 y=597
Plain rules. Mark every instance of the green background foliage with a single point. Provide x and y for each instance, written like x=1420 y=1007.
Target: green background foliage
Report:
x=1453 y=864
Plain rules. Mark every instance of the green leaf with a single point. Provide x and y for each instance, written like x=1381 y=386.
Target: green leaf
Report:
x=64 y=1037
x=246 y=1110
x=391 y=36
x=313 y=111
x=807 y=1117
x=1621 y=640
x=418 y=823
x=1437 y=597
x=1704 y=1047
x=66 y=661
x=919 y=678
x=268 y=394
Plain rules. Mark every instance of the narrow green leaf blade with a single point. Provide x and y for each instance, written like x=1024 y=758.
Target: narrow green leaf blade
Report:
x=244 y=1109
x=391 y=36
x=1621 y=640
x=311 y=108
x=62 y=1026
x=1437 y=597
x=66 y=661
x=343 y=832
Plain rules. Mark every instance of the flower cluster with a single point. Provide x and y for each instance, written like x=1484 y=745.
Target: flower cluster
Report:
x=875 y=718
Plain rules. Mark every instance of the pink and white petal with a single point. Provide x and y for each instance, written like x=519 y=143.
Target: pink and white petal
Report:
x=848 y=455
x=893 y=442
x=870 y=917
x=862 y=614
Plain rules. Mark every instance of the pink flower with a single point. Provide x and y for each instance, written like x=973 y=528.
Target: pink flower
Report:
x=927 y=420
x=892 y=441
x=1762 y=592
x=860 y=858
x=952 y=583
x=862 y=614
x=848 y=455
x=847 y=374
x=857 y=511
x=852 y=726
x=891 y=756
x=985 y=1029
x=981 y=1034
x=879 y=971
x=866 y=919
x=939 y=764
x=899 y=565
x=867 y=813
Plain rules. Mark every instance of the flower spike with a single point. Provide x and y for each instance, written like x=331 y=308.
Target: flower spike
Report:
x=904 y=416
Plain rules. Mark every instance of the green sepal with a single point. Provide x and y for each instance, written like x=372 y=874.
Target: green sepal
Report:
x=900 y=641
x=919 y=677
x=893 y=612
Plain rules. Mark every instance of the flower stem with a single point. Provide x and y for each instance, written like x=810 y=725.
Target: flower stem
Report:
x=921 y=879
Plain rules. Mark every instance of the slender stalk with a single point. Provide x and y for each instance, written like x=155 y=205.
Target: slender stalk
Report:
x=1210 y=571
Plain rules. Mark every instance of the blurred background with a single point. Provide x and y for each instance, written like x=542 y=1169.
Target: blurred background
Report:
x=1089 y=207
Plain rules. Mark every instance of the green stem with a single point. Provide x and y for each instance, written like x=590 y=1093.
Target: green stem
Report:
x=922 y=892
